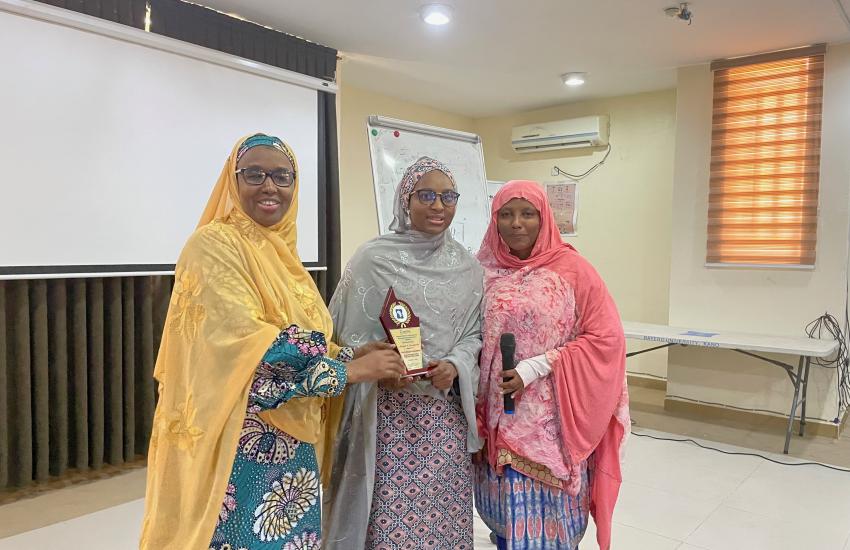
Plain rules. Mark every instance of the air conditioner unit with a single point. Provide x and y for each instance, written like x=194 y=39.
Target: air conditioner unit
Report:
x=588 y=131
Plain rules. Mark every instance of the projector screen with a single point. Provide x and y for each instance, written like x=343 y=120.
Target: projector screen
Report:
x=110 y=148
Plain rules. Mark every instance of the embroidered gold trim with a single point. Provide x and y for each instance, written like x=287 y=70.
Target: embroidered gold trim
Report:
x=531 y=469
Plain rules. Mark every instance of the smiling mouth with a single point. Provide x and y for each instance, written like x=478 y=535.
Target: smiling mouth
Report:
x=269 y=204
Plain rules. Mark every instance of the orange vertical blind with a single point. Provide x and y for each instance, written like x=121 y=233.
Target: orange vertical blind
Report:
x=765 y=159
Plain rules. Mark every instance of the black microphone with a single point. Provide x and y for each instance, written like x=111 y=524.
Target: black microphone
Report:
x=507 y=344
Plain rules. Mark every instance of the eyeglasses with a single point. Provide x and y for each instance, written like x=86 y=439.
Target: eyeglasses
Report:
x=427 y=196
x=256 y=177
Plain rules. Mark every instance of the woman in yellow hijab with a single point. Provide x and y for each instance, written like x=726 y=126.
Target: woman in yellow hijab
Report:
x=245 y=363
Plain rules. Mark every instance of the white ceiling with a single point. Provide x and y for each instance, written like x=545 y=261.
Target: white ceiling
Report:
x=506 y=55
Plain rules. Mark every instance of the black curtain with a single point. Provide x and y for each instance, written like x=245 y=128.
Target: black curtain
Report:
x=76 y=355
x=126 y=12
x=76 y=374
x=211 y=29
x=329 y=195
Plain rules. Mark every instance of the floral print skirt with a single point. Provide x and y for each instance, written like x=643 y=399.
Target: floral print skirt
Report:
x=272 y=498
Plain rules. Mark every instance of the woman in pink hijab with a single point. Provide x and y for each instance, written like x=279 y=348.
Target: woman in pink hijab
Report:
x=556 y=459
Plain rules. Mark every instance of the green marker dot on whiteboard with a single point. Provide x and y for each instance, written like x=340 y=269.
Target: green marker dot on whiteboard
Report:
x=374 y=132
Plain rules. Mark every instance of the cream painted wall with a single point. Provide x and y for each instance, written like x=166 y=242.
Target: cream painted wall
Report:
x=775 y=301
x=358 y=217
x=624 y=219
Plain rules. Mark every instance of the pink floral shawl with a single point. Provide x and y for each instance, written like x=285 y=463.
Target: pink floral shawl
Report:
x=555 y=303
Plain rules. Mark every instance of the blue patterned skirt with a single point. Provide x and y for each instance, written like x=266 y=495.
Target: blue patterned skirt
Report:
x=527 y=514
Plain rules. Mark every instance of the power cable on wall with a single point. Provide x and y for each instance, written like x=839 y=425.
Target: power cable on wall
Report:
x=556 y=171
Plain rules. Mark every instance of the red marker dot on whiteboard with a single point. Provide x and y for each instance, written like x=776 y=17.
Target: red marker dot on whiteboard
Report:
x=396 y=133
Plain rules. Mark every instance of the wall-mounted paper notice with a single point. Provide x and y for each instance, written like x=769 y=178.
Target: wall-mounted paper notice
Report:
x=563 y=198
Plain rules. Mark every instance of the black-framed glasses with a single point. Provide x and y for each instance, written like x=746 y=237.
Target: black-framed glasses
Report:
x=427 y=196
x=256 y=177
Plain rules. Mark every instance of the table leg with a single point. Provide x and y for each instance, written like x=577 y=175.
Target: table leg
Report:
x=798 y=385
x=805 y=395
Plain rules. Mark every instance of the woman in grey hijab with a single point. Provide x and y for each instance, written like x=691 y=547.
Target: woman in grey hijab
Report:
x=402 y=469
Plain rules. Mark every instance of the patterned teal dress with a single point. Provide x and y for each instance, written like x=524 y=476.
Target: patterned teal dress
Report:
x=273 y=496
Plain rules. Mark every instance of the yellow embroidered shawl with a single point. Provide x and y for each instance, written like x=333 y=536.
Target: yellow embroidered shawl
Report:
x=237 y=284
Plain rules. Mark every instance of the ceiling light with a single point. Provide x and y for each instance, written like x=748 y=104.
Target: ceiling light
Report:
x=436 y=14
x=573 y=79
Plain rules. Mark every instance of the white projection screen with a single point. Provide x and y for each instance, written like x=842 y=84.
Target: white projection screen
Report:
x=110 y=146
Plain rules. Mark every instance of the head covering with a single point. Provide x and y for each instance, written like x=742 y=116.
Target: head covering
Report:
x=262 y=140
x=442 y=282
x=237 y=285
x=549 y=244
x=414 y=173
x=224 y=201
x=555 y=303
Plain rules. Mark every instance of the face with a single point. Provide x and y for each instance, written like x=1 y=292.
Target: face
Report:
x=436 y=217
x=267 y=203
x=519 y=225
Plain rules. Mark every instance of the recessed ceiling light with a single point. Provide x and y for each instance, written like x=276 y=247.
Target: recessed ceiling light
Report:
x=436 y=14
x=573 y=79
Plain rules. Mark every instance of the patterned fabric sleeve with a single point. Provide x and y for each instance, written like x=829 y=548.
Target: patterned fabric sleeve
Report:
x=345 y=354
x=295 y=366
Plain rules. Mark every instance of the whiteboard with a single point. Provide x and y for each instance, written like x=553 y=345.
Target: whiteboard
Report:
x=396 y=144
x=110 y=148
x=493 y=187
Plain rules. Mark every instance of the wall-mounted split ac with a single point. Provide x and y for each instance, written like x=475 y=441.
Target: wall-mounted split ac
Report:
x=588 y=131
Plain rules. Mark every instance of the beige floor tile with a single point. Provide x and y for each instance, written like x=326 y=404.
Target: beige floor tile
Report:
x=70 y=502
x=731 y=529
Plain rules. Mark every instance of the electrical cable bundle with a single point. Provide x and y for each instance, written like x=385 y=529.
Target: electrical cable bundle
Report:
x=827 y=326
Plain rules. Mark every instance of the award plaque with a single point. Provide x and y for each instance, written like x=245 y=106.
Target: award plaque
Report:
x=402 y=328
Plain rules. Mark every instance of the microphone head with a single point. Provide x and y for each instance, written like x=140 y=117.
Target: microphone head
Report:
x=507 y=340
